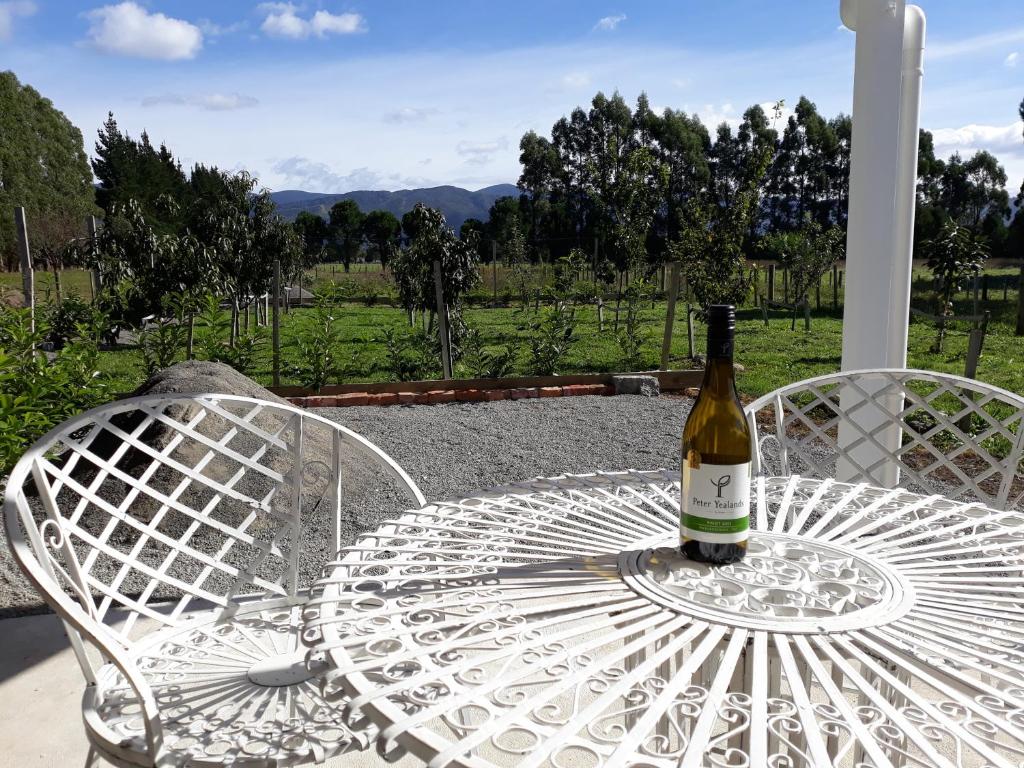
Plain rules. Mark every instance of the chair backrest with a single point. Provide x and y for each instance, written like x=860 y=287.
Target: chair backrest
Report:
x=945 y=434
x=156 y=503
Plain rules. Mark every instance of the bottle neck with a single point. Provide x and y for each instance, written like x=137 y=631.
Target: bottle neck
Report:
x=719 y=374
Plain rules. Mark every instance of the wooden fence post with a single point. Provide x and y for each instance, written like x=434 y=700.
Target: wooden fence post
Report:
x=28 y=280
x=976 y=287
x=276 y=325
x=785 y=285
x=984 y=287
x=689 y=330
x=96 y=280
x=670 y=315
x=442 y=323
x=771 y=283
x=835 y=286
x=1019 y=331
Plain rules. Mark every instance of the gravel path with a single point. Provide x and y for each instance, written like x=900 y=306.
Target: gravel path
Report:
x=460 y=447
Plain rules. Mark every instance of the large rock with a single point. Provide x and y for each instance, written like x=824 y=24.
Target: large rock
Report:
x=203 y=377
x=647 y=386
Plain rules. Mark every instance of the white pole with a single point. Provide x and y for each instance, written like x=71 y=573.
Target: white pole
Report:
x=879 y=240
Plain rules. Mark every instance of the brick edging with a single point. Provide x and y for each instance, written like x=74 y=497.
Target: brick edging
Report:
x=449 y=396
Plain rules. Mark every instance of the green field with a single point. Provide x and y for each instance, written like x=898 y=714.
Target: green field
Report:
x=770 y=356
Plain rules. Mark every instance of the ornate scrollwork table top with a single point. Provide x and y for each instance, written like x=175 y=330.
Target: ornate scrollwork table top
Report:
x=553 y=623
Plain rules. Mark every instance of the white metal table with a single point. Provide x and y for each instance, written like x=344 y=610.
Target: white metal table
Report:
x=552 y=624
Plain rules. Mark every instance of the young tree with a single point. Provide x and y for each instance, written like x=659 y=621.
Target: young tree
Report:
x=140 y=266
x=953 y=255
x=413 y=267
x=346 y=230
x=382 y=230
x=710 y=247
x=808 y=253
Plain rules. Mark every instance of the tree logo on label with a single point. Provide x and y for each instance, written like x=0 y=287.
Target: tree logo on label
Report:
x=721 y=483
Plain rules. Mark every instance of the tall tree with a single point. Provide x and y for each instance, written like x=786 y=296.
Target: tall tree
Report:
x=43 y=166
x=381 y=229
x=130 y=169
x=346 y=230
x=312 y=231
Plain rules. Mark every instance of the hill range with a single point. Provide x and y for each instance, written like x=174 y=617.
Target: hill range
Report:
x=456 y=203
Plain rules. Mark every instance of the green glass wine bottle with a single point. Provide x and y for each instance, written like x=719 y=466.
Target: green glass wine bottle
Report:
x=715 y=498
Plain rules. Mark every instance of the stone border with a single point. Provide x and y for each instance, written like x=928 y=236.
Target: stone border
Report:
x=436 y=396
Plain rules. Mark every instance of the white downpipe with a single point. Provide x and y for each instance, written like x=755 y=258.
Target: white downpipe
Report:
x=879 y=241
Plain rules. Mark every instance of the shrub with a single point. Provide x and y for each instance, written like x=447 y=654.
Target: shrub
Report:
x=411 y=356
x=484 y=363
x=318 y=358
x=36 y=392
x=73 y=318
x=160 y=345
x=552 y=334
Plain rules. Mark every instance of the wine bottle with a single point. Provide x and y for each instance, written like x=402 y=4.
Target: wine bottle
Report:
x=715 y=498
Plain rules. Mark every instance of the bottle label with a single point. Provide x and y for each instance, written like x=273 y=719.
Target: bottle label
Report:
x=715 y=503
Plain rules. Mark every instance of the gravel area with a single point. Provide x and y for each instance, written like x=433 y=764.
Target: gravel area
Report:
x=453 y=449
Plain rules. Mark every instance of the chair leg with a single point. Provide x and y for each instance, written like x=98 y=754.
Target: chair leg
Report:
x=92 y=760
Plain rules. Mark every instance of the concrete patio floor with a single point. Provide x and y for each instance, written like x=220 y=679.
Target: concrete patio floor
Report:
x=40 y=701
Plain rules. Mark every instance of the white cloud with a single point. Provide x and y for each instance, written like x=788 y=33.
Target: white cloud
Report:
x=314 y=176
x=997 y=139
x=971 y=45
x=1012 y=59
x=325 y=23
x=481 y=152
x=9 y=11
x=609 y=23
x=212 y=29
x=127 y=29
x=283 y=20
x=576 y=80
x=410 y=114
x=214 y=102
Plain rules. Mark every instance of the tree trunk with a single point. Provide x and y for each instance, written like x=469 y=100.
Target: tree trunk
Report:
x=190 y=343
x=57 y=285
x=618 y=302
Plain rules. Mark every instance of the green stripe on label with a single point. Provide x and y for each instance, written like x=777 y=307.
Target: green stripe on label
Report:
x=706 y=525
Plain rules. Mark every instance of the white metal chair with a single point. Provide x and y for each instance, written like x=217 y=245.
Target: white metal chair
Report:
x=958 y=437
x=166 y=531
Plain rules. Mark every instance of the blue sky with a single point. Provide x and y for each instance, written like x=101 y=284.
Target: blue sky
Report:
x=331 y=96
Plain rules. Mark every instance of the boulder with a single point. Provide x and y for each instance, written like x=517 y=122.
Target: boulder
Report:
x=203 y=377
x=647 y=386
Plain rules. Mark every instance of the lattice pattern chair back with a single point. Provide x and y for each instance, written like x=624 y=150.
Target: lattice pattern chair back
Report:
x=158 y=504
x=958 y=437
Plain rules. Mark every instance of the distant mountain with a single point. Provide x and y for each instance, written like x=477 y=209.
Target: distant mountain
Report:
x=456 y=203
